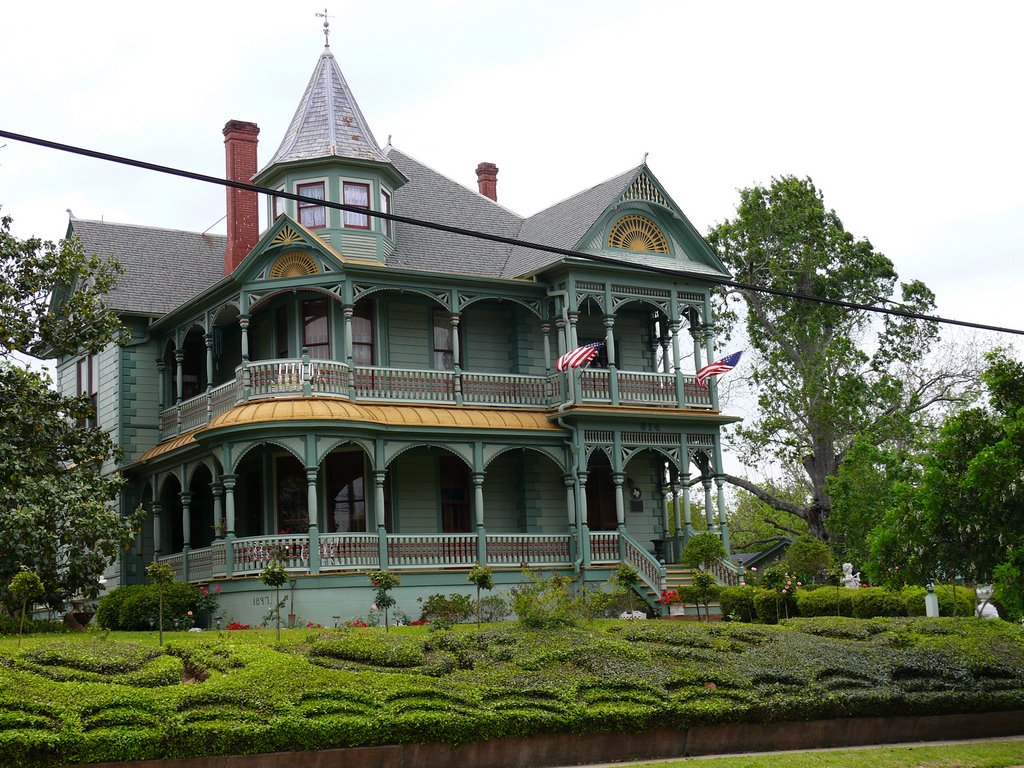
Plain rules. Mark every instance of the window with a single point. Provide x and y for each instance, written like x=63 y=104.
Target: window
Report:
x=359 y=196
x=454 y=476
x=310 y=214
x=385 y=207
x=346 y=492
x=444 y=357
x=362 y=333
x=316 y=336
x=88 y=385
x=281 y=331
x=279 y=203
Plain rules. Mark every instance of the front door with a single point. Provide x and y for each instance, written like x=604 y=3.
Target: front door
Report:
x=601 y=499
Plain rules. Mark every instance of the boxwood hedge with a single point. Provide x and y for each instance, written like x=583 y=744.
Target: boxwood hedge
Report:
x=365 y=687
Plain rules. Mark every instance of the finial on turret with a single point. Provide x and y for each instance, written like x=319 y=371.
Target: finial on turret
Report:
x=644 y=161
x=327 y=27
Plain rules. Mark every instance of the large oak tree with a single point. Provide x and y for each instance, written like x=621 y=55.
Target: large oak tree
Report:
x=823 y=374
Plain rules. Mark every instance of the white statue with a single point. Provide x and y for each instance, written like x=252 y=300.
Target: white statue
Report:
x=851 y=580
x=985 y=609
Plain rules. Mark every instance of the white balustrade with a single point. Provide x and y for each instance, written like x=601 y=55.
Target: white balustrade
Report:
x=349 y=550
x=252 y=555
x=643 y=562
x=328 y=377
x=431 y=549
x=594 y=385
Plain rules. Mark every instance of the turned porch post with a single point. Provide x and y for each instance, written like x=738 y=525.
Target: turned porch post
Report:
x=186 y=532
x=229 y=523
x=314 y=531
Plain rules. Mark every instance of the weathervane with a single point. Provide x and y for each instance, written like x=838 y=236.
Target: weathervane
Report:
x=327 y=27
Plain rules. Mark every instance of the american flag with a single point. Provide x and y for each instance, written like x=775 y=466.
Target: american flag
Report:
x=727 y=363
x=577 y=357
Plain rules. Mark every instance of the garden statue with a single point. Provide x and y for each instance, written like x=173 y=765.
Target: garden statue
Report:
x=851 y=580
x=985 y=609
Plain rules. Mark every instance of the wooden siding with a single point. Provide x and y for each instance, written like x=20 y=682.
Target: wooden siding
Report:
x=408 y=335
x=140 y=399
x=503 y=494
x=643 y=470
x=486 y=339
x=414 y=493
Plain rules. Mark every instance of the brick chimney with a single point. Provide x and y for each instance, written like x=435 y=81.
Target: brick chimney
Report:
x=487 y=180
x=240 y=139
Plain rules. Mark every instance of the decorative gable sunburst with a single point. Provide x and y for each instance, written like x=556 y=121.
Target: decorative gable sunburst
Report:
x=637 y=233
x=293 y=264
x=287 y=236
x=644 y=189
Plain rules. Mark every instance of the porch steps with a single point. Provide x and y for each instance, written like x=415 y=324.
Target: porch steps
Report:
x=677 y=576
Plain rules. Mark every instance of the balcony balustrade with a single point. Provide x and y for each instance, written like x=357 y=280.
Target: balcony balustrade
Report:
x=328 y=378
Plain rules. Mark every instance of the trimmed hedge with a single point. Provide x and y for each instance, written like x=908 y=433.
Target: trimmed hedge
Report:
x=135 y=607
x=461 y=686
x=826 y=601
x=869 y=602
x=737 y=603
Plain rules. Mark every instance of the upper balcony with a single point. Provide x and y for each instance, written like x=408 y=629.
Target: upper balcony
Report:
x=307 y=377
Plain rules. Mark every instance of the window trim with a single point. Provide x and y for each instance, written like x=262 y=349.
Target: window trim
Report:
x=385 y=207
x=90 y=387
x=371 y=344
x=327 y=321
x=301 y=206
x=345 y=214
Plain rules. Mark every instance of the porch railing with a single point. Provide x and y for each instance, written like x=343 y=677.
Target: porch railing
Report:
x=342 y=551
x=644 y=563
x=253 y=555
x=604 y=546
x=274 y=378
x=177 y=563
x=407 y=550
x=528 y=549
x=725 y=573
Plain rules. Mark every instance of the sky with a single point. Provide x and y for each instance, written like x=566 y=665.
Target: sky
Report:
x=907 y=115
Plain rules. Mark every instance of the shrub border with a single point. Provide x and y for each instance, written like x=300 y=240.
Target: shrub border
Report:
x=575 y=749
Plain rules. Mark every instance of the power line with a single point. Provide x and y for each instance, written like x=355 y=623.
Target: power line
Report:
x=476 y=234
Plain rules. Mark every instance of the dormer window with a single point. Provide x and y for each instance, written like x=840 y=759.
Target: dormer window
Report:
x=310 y=214
x=357 y=195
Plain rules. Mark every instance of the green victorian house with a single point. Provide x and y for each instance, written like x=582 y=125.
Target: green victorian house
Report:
x=350 y=393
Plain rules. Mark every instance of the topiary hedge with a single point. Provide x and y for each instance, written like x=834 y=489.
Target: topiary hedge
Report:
x=913 y=600
x=737 y=603
x=826 y=601
x=135 y=607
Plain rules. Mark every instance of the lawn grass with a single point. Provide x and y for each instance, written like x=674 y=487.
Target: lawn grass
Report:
x=1000 y=753
x=114 y=696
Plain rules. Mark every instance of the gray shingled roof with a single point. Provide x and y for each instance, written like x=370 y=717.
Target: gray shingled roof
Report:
x=564 y=224
x=163 y=268
x=432 y=196
x=328 y=121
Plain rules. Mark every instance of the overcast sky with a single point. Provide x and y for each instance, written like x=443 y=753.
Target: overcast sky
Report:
x=908 y=115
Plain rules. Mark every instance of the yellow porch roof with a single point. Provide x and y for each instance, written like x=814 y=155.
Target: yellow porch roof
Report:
x=315 y=409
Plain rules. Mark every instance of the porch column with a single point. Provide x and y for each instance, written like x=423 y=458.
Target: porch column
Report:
x=545 y=333
x=208 y=339
x=186 y=532
x=573 y=317
x=478 y=509
x=218 y=511
x=709 y=346
x=723 y=523
x=562 y=336
x=229 y=524
x=680 y=538
x=665 y=339
x=709 y=507
x=179 y=361
x=620 y=512
x=570 y=506
x=581 y=502
x=243 y=324
x=346 y=332
x=456 y=359
x=666 y=500
x=674 y=327
x=378 y=509
x=613 y=371
x=161 y=389
x=157 y=509
x=314 y=532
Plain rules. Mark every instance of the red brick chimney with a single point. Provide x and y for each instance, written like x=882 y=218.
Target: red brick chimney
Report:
x=487 y=180
x=240 y=139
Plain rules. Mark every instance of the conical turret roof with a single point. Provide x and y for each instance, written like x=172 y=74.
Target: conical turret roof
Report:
x=328 y=121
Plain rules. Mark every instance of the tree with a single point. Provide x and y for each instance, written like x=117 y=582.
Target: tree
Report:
x=755 y=525
x=383 y=582
x=808 y=558
x=274 y=575
x=55 y=510
x=481 y=576
x=703 y=550
x=823 y=374
x=26 y=587
x=161 y=575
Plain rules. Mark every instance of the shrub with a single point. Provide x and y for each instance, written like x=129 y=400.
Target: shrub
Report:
x=870 y=602
x=444 y=611
x=737 y=603
x=371 y=648
x=770 y=606
x=136 y=607
x=493 y=608
x=547 y=604
x=704 y=550
x=827 y=601
x=913 y=600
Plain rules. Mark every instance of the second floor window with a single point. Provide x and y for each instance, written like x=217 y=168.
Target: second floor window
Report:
x=362 y=333
x=310 y=214
x=385 y=207
x=357 y=195
x=88 y=384
x=444 y=357
x=316 y=337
